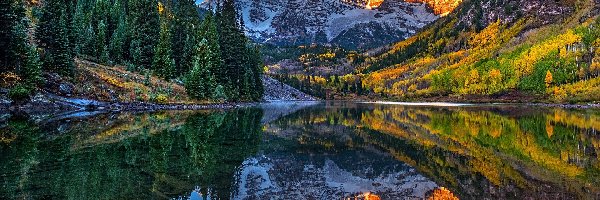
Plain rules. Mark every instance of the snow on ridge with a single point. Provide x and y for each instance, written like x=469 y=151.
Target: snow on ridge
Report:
x=282 y=20
x=267 y=176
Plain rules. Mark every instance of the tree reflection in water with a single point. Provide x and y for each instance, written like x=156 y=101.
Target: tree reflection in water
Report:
x=367 y=151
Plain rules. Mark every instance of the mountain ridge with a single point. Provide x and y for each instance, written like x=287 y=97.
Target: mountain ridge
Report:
x=352 y=24
x=487 y=50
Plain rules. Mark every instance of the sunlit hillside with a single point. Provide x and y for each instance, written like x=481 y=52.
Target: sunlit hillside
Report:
x=483 y=50
x=558 y=59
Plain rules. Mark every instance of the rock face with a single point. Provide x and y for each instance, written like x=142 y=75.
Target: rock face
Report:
x=278 y=91
x=540 y=12
x=347 y=23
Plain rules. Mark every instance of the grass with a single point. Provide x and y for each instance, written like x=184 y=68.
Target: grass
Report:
x=115 y=83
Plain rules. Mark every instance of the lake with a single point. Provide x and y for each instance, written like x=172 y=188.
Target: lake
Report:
x=330 y=150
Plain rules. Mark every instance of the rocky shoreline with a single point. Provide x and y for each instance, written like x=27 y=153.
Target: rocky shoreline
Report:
x=45 y=102
x=52 y=105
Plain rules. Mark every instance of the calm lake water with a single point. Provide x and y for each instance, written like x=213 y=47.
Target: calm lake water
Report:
x=304 y=151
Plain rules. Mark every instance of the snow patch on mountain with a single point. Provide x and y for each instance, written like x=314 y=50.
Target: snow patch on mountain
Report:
x=284 y=177
x=295 y=22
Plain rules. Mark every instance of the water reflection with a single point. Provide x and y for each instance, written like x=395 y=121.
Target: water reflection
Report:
x=149 y=156
x=493 y=152
x=326 y=151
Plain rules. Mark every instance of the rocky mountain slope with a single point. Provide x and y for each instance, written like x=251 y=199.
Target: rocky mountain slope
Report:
x=278 y=91
x=347 y=23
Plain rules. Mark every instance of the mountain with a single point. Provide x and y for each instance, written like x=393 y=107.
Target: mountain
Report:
x=484 y=50
x=508 y=49
x=352 y=24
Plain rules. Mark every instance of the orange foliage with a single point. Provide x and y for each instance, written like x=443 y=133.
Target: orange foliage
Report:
x=442 y=193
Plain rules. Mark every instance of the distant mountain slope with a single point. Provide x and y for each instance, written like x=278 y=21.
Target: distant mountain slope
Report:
x=452 y=33
x=348 y=23
x=497 y=47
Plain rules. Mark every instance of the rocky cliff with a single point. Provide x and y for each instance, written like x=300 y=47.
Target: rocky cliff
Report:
x=347 y=23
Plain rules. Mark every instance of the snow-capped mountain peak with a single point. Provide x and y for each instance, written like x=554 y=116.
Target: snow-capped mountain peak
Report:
x=347 y=23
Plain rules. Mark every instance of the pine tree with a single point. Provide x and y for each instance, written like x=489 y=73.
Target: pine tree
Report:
x=12 y=34
x=232 y=43
x=53 y=32
x=117 y=42
x=61 y=56
x=22 y=56
x=256 y=66
x=200 y=82
x=208 y=31
x=163 y=64
x=101 y=45
x=185 y=27
x=144 y=26
x=31 y=71
x=116 y=14
x=89 y=41
x=81 y=24
x=187 y=58
x=7 y=21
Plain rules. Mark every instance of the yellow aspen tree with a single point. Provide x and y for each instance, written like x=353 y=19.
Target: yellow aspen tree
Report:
x=548 y=80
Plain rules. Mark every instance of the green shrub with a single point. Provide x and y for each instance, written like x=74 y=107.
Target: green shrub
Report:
x=219 y=93
x=161 y=98
x=19 y=93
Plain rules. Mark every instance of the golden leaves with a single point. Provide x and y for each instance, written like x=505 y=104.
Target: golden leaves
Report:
x=548 y=80
x=525 y=63
x=442 y=193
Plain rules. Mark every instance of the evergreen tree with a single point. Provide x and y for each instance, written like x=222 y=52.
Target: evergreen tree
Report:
x=81 y=27
x=187 y=58
x=208 y=31
x=20 y=55
x=53 y=33
x=116 y=14
x=89 y=41
x=7 y=21
x=144 y=29
x=61 y=56
x=232 y=43
x=256 y=66
x=185 y=24
x=101 y=45
x=200 y=82
x=47 y=25
x=31 y=71
x=12 y=34
x=117 y=42
x=163 y=64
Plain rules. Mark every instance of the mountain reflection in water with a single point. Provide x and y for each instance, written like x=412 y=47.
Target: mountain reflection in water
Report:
x=325 y=151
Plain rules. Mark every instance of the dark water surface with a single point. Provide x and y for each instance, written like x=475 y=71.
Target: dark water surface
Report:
x=294 y=151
